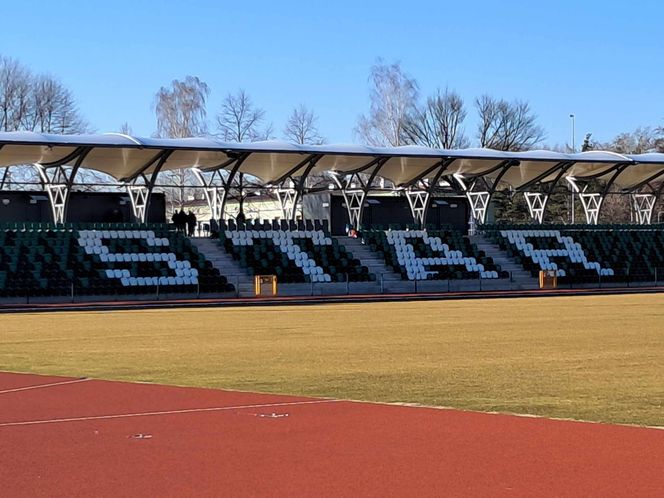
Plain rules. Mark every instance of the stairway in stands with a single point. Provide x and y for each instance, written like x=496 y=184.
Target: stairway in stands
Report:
x=521 y=278
x=226 y=265
x=375 y=263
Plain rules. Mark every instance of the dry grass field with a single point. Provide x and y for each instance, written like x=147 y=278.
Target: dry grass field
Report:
x=592 y=358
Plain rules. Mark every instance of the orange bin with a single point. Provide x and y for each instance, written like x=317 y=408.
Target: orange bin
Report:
x=548 y=279
x=265 y=285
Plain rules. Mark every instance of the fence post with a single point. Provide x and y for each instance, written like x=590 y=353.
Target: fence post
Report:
x=382 y=283
x=157 y=289
x=72 y=291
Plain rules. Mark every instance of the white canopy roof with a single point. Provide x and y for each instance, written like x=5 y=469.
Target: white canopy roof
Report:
x=125 y=157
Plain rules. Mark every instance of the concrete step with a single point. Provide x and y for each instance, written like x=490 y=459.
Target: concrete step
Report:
x=216 y=254
x=369 y=259
x=520 y=277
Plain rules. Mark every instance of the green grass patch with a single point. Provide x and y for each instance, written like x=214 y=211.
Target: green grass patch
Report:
x=593 y=358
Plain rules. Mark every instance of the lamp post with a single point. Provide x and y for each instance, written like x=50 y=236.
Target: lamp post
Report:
x=573 y=118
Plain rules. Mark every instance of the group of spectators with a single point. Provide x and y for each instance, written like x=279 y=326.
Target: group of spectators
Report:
x=185 y=222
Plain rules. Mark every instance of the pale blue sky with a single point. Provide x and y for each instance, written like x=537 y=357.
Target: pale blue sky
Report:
x=601 y=60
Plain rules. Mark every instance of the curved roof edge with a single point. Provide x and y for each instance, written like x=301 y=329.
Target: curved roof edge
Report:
x=123 y=157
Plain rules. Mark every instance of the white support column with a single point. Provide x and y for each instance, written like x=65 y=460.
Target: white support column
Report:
x=215 y=195
x=536 y=205
x=287 y=198
x=139 y=196
x=479 y=202
x=56 y=182
x=644 y=205
x=418 y=200
x=355 y=205
x=592 y=203
x=354 y=198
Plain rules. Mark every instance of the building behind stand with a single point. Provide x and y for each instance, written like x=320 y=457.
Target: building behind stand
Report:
x=84 y=207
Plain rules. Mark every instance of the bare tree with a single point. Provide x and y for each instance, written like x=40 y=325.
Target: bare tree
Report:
x=301 y=127
x=36 y=103
x=15 y=83
x=125 y=129
x=240 y=121
x=393 y=97
x=54 y=108
x=181 y=112
x=46 y=94
x=438 y=123
x=643 y=139
x=181 y=108
x=507 y=125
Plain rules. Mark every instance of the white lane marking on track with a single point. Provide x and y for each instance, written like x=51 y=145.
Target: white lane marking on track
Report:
x=166 y=412
x=42 y=386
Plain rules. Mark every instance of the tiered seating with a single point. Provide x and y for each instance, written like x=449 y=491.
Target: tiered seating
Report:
x=45 y=260
x=550 y=250
x=586 y=255
x=295 y=256
x=432 y=255
x=34 y=263
x=634 y=255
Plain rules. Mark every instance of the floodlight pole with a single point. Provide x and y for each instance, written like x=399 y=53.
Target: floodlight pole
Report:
x=573 y=118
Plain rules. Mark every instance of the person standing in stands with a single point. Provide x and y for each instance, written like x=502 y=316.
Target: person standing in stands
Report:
x=191 y=223
x=176 y=220
x=214 y=228
x=182 y=216
x=180 y=220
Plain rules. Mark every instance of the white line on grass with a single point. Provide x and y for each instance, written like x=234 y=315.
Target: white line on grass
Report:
x=42 y=386
x=165 y=412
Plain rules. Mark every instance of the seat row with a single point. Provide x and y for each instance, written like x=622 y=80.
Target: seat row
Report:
x=246 y=237
x=154 y=281
x=134 y=257
x=116 y=234
x=283 y=225
x=99 y=242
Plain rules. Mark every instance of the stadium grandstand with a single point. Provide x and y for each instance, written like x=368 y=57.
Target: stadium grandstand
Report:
x=352 y=219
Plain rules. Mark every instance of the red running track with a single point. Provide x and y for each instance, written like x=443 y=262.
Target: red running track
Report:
x=75 y=437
